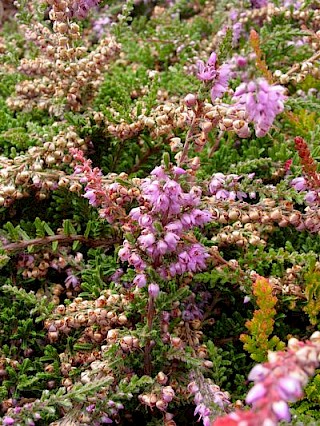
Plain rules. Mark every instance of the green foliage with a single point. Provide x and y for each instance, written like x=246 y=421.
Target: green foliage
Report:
x=46 y=338
x=312 y=292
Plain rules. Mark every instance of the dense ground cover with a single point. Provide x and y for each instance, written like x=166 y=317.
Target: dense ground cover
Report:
x=159 y=204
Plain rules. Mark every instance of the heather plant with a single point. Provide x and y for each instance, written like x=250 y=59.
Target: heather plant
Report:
x=159 y=196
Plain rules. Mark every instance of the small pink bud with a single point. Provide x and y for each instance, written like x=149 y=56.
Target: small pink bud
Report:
x=190 y=100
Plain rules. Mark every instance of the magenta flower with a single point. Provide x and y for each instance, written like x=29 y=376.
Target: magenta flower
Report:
x=281 y=410
x=153 y=290
x=207 y=72
x=255 y=393
x=91 y=196
x=311 y=197
x=8 y=421
x=212 y=72
x=299 y=184
x=81 y=8
x=259 y=3
x=262 y=102
x=140 y=280
x=290 y=388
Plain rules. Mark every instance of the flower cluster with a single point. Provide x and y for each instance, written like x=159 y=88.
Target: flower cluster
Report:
x=162 y=221
x=110 y=196
x=277 y=382
x=262 y=102
x=259 y=3
x=81 y=8
x=208 y=398
x=226 y=187
x=300 y=184
x=218 y=75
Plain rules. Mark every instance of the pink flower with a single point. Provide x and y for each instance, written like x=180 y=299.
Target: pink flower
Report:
x=154 y=290
x=140 y=280
x=146 y=240
x=212 y=72
x=80 y=8
x=290 y=388
x=8 y=421
x=262 y=102
x=259 y=3
x=207 y=72
x=171 y=240
x=299 y=183
x=281 y=410
x=91 y=196
x=255 y=393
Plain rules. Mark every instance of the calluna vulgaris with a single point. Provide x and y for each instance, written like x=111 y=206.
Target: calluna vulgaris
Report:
x=159 y=199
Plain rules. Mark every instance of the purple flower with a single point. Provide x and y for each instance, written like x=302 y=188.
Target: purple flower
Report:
x=212 y=72
x=216 y=182
x=100 y=24
x=261 y=101
x=222 y=194
x=290 y=388
x=281 y=410
x=81 y=8
x=310 y=197
x=137 y=262
x=207 y=72
x=91 y=196
x=146 y=240
x=171 y=240
x=255 y=393
x=90 y=408
x=125 y=252
x=105 y=419
x=221 y=84
x=8 y=421
x=241 y=61
x=153 y=290
x=140 y=280
x=72 y=281
x=299 y=184
x=259 y=3
x=259 y=372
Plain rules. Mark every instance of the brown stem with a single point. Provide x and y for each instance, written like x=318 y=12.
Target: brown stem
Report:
x=296 y=67
x=147 y=349
x=189 y=135
x=60 y=238
x=216 y=145
x=144 y=158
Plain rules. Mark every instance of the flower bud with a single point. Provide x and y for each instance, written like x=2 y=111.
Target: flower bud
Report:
x=190 y=100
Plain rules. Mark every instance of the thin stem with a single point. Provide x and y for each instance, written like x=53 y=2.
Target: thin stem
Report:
x=147 y=349
x=61 y=239
x=144 y=158
x=216 y=145
x=190 y=133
